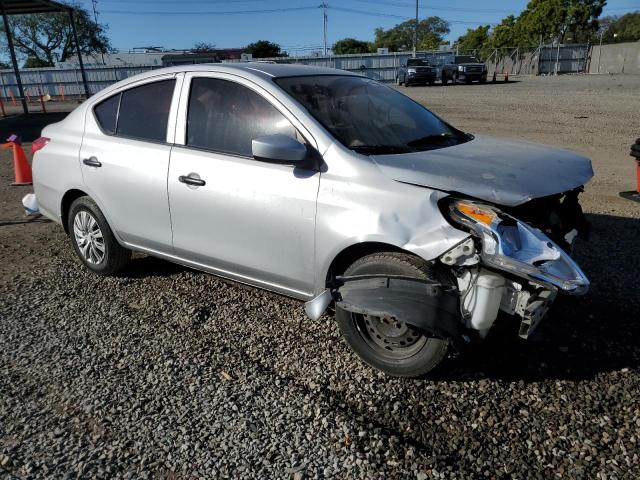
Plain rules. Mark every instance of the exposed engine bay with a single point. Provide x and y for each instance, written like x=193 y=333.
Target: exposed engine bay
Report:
x=517 y=259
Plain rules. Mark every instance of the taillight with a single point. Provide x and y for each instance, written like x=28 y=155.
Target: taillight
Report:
x=39 y=144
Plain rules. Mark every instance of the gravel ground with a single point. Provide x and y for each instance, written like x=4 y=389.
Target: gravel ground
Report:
x=164 y=372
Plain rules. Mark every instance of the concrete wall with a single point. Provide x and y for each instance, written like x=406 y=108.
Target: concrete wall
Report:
x=615 y=58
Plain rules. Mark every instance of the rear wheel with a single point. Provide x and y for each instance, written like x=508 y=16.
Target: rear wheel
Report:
x=391 y=345
x=93 y=240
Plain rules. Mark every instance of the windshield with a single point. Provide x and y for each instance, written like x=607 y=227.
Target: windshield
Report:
x=368 y=117
x=466 y=59
x=417 y=62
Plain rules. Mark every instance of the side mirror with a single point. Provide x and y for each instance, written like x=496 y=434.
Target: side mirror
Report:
x=278 y=148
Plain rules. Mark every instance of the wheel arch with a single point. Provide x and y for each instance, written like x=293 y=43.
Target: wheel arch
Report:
x=353 y=252
x=65 y=204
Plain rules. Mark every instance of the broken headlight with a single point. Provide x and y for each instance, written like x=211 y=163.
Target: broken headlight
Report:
x=513 y=246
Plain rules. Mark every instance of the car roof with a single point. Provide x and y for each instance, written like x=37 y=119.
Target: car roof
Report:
x=266 y=70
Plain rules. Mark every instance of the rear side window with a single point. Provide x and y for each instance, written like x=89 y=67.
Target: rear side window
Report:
x=225 y=117
x=107 y=114
x=144 y=111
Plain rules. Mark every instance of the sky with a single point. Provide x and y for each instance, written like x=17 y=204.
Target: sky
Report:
x=296 y=25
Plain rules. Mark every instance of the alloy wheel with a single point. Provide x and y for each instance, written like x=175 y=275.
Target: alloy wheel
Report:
x=88 y=237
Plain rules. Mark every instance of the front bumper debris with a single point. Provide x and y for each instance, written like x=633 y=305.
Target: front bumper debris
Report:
x=424 y=304
x=421 y=303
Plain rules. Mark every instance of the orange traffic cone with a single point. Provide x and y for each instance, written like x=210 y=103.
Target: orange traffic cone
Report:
x=21 y=167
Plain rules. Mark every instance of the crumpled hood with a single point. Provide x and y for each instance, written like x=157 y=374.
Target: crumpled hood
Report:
x=504 y=172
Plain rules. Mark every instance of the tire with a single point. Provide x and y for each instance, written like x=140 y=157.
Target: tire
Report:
x=89 y=232
x=432 y=83
x=422 y=352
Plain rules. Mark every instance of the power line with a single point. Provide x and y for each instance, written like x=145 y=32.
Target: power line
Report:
x=400 y=17
x=430 y=6
x=230 y=12
x=181 y=2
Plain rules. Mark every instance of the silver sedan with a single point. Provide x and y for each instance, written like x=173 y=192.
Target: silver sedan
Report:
x=325 y=186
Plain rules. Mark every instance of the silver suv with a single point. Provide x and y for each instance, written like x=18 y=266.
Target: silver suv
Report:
x=324 y=186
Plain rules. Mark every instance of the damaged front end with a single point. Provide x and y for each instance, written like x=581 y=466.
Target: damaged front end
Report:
x=505 y=265
x=511 y=266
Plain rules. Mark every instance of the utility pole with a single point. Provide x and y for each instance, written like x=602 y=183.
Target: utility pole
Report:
x=324 y=18
x=95 y=10
x=94 y=4
x=415 y=33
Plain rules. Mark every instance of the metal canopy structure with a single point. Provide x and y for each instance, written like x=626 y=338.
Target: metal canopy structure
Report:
x=25 y=7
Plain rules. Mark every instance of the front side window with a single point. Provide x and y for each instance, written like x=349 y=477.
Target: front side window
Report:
x=225 y=117
x=144 y=111
x=368 y=117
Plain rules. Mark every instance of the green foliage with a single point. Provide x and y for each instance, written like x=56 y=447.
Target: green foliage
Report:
x=621 y=29
x=504 y=35
x=264 y=49
x=32 y=62
x=45 y=39
x=542 y=21
x=565 y=21
x=475 y=41
x=351 y=45
x=431 y=32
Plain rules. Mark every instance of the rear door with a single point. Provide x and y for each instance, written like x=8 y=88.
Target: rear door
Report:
x=249 y=220
x=125 y=158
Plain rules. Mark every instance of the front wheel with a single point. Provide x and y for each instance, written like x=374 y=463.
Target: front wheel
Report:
x=93 y=240
x=391 y=345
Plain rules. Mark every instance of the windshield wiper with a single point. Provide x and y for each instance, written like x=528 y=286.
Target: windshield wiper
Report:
x=433 y=139
x=380 y=149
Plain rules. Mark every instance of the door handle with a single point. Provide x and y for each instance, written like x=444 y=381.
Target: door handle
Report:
x=92 y=162
x=193 y=179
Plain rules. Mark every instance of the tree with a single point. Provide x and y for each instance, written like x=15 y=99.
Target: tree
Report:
x=351 y=45
x=431 y=32
x=32 y=62
x=476 y=40
x=47 y=38
x=621 y=29
x=264 y=49
x=564 y=21
x=504 y=34
x=203 y=47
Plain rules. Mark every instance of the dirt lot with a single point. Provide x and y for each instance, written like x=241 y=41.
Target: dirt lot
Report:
x=164 y=372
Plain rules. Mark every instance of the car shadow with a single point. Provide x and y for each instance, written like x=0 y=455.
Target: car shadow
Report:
x=478 y=84
x=582 y=336
x=4 y=223
x=143 y=266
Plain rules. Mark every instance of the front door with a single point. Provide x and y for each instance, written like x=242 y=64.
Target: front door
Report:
x=242 y=218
